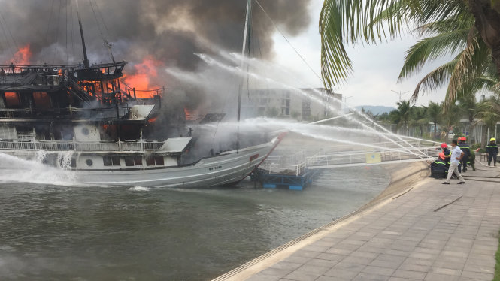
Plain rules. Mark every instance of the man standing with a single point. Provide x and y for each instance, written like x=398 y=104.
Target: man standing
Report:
x=456 y=156
x=466 y=150
x=492 y=150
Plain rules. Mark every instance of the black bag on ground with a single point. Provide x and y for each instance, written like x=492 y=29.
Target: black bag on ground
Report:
x=439 y=170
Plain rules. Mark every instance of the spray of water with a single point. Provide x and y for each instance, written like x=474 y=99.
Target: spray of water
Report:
x=14 y=169
x=232 y=69
x=322 y=132
x=259 y=64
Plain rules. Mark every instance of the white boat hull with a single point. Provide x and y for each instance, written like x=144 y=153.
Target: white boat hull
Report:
x=225 y=169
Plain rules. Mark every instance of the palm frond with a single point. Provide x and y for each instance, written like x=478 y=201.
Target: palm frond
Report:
x=348 y=21
x=432 y=48
x=471 y=64
x=456 y=22
x=435 y=79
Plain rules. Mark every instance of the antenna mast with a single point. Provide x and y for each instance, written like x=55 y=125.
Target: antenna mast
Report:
x=85 y=59
x=246 y=34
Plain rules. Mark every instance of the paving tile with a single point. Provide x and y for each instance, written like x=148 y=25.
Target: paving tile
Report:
x=306 y=254
x=309 y=268
x=408 y=274
x=376 y=270
x=322 y=262
x=447 y=271
x=341 y=273
x=356 y=267
x=263 y=277
x=478 y=275
x=330 y=257
x=359 y=260
x=303 y=276
x=370 y=277
x=297 y=259
x=440 y=277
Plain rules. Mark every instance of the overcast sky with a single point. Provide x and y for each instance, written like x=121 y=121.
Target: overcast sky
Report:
x=376 y=68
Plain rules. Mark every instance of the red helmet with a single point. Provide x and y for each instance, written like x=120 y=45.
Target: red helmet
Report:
x=462 y=138
x=444 y=145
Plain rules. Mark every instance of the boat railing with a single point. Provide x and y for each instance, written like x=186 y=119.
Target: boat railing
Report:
x=139 y=146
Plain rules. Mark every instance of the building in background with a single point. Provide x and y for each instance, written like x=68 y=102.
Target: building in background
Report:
x=284 y=103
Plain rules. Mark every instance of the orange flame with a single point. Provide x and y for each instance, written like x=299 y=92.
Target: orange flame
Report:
x=22 y=57
x=190 y=115
x=141 y=81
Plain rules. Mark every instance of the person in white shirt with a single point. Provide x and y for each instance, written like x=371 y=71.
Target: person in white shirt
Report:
x=456 y=156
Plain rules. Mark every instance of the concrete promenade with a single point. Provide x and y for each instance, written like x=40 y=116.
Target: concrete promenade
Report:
x=430 y=232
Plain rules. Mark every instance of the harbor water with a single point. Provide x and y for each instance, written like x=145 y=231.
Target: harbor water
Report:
x=135 y=233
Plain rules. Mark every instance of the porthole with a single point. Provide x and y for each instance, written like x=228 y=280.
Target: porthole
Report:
x=89 y=162
x=85 y=131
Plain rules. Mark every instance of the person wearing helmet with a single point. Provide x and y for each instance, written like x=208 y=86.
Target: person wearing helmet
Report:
x=439 y=167
x=447 y=154
x=456 y=156
x=465 y=148
x=492 y=151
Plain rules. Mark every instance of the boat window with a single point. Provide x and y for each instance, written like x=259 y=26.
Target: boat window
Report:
x=150 y=161
x=159 y=161
x=111 y=160
x=73 y=162
x=42 y=100
x=12 y=99
x=115 y=160
x=107 y=161
x=129 y=161
x=89 y=162
x=155 y=160
x=138 y=161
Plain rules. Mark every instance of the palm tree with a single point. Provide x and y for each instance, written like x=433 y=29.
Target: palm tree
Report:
x=418 y=117
x=371 y=21
x=404 y=112
x=455 y=34
x=434 y=112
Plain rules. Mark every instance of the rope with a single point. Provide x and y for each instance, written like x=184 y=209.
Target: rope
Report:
x=48 y=25
x=6 y=36
x=97 y=21
x=288 y=41
x=54 y=50
x=66 y=35
x=102 y=19
x=5 y=26
x=72 y=31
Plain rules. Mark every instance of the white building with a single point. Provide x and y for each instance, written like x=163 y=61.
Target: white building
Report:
x=283 y=103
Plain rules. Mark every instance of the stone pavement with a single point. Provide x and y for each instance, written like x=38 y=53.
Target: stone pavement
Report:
x=434 y=232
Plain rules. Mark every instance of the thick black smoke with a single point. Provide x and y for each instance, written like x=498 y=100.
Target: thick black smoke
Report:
x=168 y=30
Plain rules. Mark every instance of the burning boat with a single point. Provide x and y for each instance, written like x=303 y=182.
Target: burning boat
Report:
x=84 y=119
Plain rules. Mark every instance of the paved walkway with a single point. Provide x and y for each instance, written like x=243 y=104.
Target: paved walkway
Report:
x=434 y=232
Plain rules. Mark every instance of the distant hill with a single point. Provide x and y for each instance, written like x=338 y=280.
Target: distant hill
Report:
x=376 y=109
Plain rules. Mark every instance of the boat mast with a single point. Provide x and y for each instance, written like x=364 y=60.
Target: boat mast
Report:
x=85 y=59
x=246 y=43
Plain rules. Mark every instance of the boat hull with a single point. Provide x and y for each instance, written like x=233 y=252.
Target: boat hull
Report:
x=226 y=169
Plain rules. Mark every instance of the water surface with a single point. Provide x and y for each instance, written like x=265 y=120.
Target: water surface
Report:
x=134 y=233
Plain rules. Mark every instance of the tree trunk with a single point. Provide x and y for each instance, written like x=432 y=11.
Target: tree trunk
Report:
x=488 y=24
x=484 y=132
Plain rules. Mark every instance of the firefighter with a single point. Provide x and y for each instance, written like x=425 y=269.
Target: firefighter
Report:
x=492 y=150
x=446 y=153
x=465 y=160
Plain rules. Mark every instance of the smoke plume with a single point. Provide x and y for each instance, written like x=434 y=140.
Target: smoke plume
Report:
x=170 y=31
